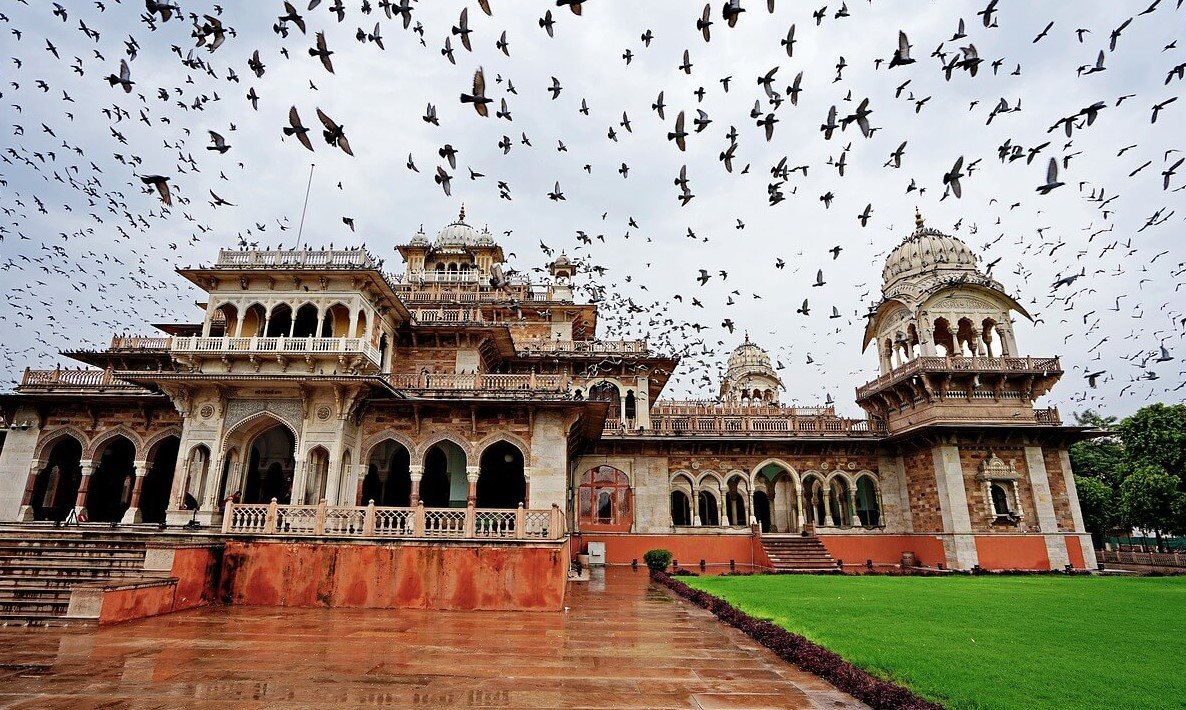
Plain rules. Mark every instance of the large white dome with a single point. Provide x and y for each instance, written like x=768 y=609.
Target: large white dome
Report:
x=925 y=251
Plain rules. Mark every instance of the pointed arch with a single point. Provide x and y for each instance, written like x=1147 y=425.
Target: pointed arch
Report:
x=389 y=434
x=507 y=437
x=253 y=424
x=151 y=442
x=450 y=436
x=54 y=436
x=843 y=475
x=89 y=453
x=787 y=469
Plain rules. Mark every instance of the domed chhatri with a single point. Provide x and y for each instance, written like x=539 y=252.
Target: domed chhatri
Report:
x=750 y=378
x=460 y=234
x=459 y=254
x=926 y=251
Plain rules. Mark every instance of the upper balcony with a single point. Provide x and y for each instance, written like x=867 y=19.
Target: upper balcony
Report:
x=79 y=380
x=481 y=385
x=139 y=343
x=570 y=348
x=192 y=350
x=712 y=419
x=1041 y=371
x=295 y=259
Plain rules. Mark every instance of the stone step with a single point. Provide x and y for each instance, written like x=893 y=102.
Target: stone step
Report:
x=44 y=619
x=26 y=593
x=798 y=554
x=55 y=557
x=34 y=606
x=69 y=571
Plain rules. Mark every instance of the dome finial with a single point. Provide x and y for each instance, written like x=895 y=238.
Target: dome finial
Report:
x=747 y=336
x=918 y=222
x=461 y=216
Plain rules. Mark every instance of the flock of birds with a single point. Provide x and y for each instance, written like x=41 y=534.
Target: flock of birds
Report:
x=130 y=121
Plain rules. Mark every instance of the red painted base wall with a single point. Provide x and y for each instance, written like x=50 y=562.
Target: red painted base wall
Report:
x=688 y=550
x=1013 y=552
x=885 y=549
x=442 y=576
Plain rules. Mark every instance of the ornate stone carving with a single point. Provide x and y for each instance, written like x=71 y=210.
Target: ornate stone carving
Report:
x=287 y=410
x=994 y=468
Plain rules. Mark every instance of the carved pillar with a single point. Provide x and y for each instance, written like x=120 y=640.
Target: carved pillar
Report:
x=84 y=487
x=799 y=508
x=853 y=519
x=25 y=514
x=826 y=494
x=415 y=472
x=300 y=473
x=696 y=506
x=471 y=478
x=132 y=514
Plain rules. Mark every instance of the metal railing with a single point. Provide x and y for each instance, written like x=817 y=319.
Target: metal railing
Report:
x=965 y=364
x=371 y=521
x=1156 y=559
x=276 y=345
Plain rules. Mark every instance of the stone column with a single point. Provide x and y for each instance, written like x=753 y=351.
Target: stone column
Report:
x=696 y=506
x=299 y=474
x=800 y=512
x=826 y=495
x=853 y=519
x=527 y=471
x=25 y=514
x=415 y=472
x=960 y=547
x=84 y=486
x=132 y=514
x=1085 y=542
x=471 y=478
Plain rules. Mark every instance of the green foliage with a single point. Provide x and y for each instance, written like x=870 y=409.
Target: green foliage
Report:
x=657 y=559
x=1151 y=499
x=988 y=643
x=1156 y=435
x=1101 y=458
x=1097 y=500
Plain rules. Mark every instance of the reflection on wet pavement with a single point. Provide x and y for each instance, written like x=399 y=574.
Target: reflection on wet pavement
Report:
x=623 y=643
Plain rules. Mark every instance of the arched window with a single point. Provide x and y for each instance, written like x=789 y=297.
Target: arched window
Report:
x=709 y=512
x=604 y=497
x=1000 y=501
x=681 y=509
x=868 y=506
x=630 y=404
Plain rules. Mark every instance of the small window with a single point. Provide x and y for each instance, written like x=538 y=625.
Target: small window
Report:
x=1000 y=501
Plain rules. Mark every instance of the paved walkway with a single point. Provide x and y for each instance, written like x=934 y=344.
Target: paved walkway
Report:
x=624 y=643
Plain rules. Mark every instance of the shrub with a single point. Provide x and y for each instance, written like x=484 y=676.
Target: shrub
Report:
x=657 y=560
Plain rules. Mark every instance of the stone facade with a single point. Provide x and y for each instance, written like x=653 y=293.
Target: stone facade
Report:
x=314 y=376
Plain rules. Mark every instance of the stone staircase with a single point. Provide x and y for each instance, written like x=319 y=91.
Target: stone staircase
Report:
x=798 y=554
x=38 y=570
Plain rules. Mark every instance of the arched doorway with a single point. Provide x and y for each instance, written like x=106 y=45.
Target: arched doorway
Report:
x=443 y=484
x=839 y=504
x=762 y=510
x=681 y=509
x=388 y=481
x=154 y=491
x=56 y=487
x=270 y=466
x=110 y=491
x=868 y=508
x=306 y=324
x=709 y=511
x=735 y=502
x=280 y=324
x=317 y=475
x=815 y=500
x=501 y=483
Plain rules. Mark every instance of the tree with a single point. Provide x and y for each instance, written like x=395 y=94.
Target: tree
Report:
x=1101 y=458
x=1151 y=499
x=1097 y=500
x=1156 y=435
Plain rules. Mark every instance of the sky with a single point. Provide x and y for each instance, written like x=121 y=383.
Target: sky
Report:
x=88 y=251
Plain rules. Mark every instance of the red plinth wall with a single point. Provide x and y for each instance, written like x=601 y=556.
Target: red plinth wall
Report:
x=527 y=577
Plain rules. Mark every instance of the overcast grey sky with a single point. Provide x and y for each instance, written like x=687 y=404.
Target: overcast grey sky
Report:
x=65 y=289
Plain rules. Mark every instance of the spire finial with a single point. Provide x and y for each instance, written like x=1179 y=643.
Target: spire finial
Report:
x=461 y=216
x=747 y=336
x=917 y=218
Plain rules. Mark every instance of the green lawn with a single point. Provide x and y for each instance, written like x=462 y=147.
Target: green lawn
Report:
x=990 y=642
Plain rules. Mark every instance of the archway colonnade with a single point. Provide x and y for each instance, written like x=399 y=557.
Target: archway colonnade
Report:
x=777 y=497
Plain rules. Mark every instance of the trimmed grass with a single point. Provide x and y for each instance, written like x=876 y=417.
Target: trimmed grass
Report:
x=990 y=643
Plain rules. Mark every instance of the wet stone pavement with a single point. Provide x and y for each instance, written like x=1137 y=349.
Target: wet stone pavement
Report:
x=623 y=643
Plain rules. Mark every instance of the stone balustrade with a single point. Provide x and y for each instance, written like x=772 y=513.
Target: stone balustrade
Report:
x=750 y=425
x=295 y=259
x=448 y=315
x=578 y=347
x=196 y=345
x=1016 y=365
x=371 y=521
x=139 y=342
x=481 y=382
x=82 y=378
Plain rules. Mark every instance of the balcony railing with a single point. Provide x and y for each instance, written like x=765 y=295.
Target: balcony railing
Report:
x=371 y=521
x=578 y=347
x=417 y=292
x=295 y=259
x=784 y=425
x=195 y=345
x=139 y=342
x=1019 y=365
x=482 y=383
x=448 y=315
x=709 y=407
x=73 y=379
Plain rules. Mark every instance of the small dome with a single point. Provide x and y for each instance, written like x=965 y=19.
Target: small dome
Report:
x=421 y=239
x=926 y=250
x=562 y=260
x=748 y=370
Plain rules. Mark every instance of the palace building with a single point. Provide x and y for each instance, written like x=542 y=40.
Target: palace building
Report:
x=318 y=398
